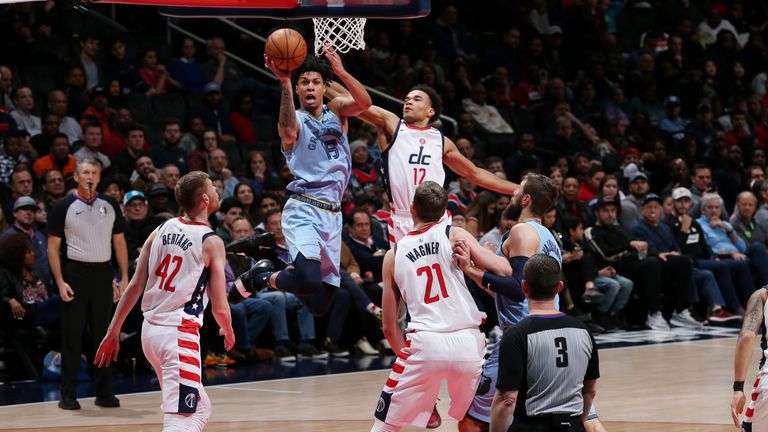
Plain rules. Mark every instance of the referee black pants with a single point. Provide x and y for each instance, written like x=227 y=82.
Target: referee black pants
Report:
x=91 y=305
x=547 y=424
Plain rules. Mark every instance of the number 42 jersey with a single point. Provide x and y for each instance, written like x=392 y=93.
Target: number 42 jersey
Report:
x=175 y=294
x=431 y=284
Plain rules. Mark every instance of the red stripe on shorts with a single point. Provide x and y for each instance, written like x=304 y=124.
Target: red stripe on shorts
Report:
x=189 y=344
x=754 y=396
x=391 y=383
x=749 y=412
x=189 y=360
x=403 y=355
x=189 y=375
x=398 y=368
x=408 y=343
x=189 y=323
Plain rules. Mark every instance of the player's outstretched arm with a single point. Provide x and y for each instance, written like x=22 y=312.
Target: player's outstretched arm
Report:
x=753 y=320
x=465 y=168
x=390 y=304
x=110 y=345
x=502 y=410
x=374 y=115
x=215 y=259
x=358 y=100
x=481 y=257
x=287 y=124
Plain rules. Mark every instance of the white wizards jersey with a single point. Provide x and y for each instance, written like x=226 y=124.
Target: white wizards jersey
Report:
x=431 y=284
x=414 y=156
x=175 y=294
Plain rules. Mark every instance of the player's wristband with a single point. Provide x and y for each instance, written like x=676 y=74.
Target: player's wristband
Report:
x=738 y=386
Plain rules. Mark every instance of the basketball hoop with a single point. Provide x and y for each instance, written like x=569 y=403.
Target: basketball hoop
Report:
x=343 y=34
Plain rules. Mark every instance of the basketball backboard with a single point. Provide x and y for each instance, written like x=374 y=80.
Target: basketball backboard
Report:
x=301 y=9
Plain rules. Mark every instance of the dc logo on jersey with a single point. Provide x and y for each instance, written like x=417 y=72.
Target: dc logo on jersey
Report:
x=380 y=406
x=420 y=158
x=190 y=400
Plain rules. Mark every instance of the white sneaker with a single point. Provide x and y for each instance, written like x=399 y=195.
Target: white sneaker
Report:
x=656 y=322
x=365 y=347
x=684 y=319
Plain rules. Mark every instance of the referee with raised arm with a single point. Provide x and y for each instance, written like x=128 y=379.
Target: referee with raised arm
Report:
x=548 y=364
x=82 y=228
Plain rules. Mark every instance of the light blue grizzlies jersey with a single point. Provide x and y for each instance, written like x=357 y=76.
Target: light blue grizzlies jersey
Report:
x=320 y=160
x=510 y=311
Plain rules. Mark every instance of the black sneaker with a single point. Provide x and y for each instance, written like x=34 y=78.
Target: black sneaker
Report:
x=250 y=282
x=334 y=350
x=307 y=350
x=108 y=402
x=282 y=353
x=69 y=403
x=255 y=246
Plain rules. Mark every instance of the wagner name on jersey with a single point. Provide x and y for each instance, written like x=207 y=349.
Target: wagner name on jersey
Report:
x=175 y=293
x=431 y=284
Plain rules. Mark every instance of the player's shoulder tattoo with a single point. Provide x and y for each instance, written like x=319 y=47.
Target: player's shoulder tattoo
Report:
x=753 y=317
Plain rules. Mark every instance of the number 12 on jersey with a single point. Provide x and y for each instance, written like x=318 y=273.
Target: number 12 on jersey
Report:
x=427 y=270
x=418 y=175
x=166 y=280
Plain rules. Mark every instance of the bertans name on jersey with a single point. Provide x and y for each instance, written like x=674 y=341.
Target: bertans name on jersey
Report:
x=179 y=240
x=431 y=248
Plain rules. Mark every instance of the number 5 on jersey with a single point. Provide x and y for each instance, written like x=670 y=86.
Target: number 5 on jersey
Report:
x=166 y=280
x=427 y=270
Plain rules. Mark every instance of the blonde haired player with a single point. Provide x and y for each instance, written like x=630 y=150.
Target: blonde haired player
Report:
x=181 y=265
x=444 y=339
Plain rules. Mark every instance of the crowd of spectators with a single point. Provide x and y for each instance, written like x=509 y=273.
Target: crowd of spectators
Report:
x=650 y=116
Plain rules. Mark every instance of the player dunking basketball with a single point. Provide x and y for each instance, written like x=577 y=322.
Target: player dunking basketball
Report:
x=535 y=197
x=414 y=152
x=315 y=145
x=180 y=266
x=443 y=336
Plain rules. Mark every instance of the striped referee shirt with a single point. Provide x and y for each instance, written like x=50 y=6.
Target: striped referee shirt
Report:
x=86 y=229
x=547 y=358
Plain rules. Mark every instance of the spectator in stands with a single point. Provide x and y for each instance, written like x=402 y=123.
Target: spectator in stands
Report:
x=365 y=179
x=469 y=129
x=217 y=165
x=161 y=199
x=259 y=173
x=481 y=214
x=22 y=184
x=367 y=252
x=53 y=188
x=247 y=199
x=6 y=85
x=41 y=143
x=193 y=138
x=630 y=205
x=75 y=91
x=589 y=189
x=702 y=129
x=121 y=68
x=241 y=119
x=730 y=177
x=24 y=210
x=486 y=116
x=89 y=47
x=155 y=75
x=524 y=158
x=169 y=152
x=492 y=238
x=125 y=161
x=448 y=37
x=215 y=116
x=13 y=146
x=229 y=210
x=569 y=203
x=23 y=114
x=116 y=141
x=198 y=158
x=744 y=222
x=672 y=123
x=58 y=158
x=144 y=175
x=92 y=140
x=463 y=197
x=98 y=111
x=186 y=71
x=115 y=186
x=169 y=176
x=266 y=202
x=709 y=29
x=727 y=244
x=139 y=225
x=614 y=246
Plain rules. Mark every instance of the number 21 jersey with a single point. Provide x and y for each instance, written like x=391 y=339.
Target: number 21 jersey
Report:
x=175 y=294
x=431 y=284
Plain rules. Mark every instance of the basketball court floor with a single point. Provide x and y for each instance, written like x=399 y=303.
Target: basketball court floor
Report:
x=651 y=381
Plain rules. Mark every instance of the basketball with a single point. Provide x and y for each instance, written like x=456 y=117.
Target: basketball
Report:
x=286 y=48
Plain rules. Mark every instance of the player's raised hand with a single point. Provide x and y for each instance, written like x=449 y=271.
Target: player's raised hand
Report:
x=461 y=254
x=108 y=349
x=229 y=338
x=281 y=74
x=333 y=59
x=737 y=406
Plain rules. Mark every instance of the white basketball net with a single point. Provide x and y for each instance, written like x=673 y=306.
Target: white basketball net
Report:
x=342 y=33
